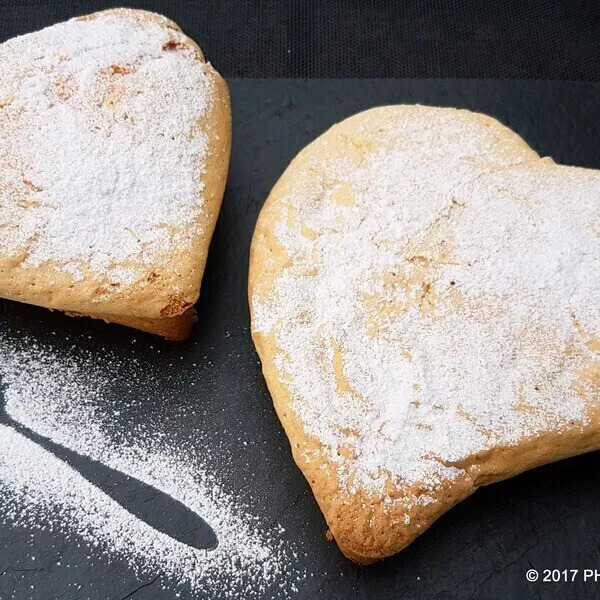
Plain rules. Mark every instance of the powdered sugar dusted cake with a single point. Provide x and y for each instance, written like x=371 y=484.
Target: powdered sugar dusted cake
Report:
x=425 y=298
x=114 y=148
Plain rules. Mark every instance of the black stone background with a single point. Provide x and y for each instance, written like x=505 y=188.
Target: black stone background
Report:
x=544 y=519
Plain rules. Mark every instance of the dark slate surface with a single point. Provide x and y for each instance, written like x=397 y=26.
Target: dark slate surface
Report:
x=544 y=519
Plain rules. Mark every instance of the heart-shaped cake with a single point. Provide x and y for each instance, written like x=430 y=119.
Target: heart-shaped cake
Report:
x=115 y=136
x=425 y=300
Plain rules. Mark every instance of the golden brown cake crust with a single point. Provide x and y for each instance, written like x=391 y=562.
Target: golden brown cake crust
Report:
x=369 y=525
x=175 y=329
x=164 y=289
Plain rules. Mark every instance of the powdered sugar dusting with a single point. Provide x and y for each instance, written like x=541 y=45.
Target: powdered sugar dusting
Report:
x=63 y=399
x=440 y=297
x=101 y=156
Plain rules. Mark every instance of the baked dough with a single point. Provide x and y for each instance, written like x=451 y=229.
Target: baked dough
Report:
x=115 y=137
x=424 y=292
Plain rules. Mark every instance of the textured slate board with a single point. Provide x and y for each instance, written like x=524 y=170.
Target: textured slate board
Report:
x=547 y=518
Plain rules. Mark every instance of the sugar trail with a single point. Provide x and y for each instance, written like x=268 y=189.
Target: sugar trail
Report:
x=61 y=398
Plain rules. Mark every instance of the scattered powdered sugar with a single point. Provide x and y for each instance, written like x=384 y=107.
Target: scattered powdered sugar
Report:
x=440 y=297
x=61 y=398
x=101 y=156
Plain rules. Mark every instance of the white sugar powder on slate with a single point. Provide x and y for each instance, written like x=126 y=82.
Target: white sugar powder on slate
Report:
x=62 y=399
